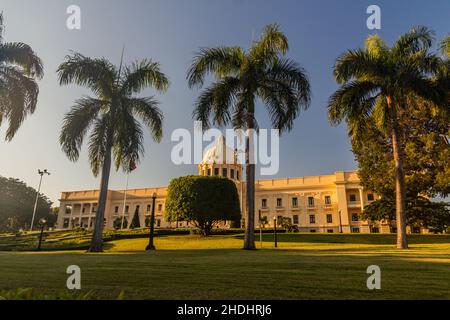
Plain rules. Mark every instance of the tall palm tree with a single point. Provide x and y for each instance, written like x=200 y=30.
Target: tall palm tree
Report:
x=111 y=117
x=242 y=77
x=375 y=84
x=19 y=69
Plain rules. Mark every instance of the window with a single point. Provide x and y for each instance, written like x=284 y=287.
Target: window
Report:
x=375 y=230
x=355 y=230
x=355 y=217
x=329 y=218
x=232 y=173
x=312 y=219
x=116 y=209
x=148 y=208
x=224 y=172
x=294 y=202
x=158 y=223
x=312 y=230
x=66 y=223
x=237 y=175
x=310 y=201
x=295 y=219
x=370 y=197
x=68 y=209
x=159 y=207
x=137 y=208
x=216 y=171
x=330 y=230
x=279 y=202
x=94 y=209
x=327 y=200
x=353 y=198
x=83 y=209
x=127 y=209
x=209 y=172
x=264 y=203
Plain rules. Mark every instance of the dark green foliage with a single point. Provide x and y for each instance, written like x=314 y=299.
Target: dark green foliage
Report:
x=117 y=224
x=204 y=201
x=20 y=67
x=426 y=166
x=16 y=206
x=135 y=223
x=421 y=212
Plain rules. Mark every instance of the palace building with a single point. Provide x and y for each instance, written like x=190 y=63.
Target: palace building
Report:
x=329 y=203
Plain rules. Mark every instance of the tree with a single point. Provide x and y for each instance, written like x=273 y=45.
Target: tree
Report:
x=16 y=205
x=204 y=201
x=375 y=84
x=421 y=212
x=111 y=117
x=135 y=223
x=20 y=67
x=241 y=78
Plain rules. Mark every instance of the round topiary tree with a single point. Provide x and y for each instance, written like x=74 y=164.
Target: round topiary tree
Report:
x=203 y=201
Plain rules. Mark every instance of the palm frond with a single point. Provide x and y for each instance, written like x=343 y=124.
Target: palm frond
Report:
x=22 y=55
x=99 y=75
x=147 y=110
x=353 y=100
x=19 y=98
x=271 y=44
x=221 y=62
x=416 y=39
x=358 y=64
x=294 y=76
x=128 y=140
x=98 y=141
x=216 y=102
x=143 y=74
x=76 y=123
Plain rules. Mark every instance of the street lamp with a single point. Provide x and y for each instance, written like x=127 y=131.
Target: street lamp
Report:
x=150 y=245
x=42 y=223
x=275 y=231
x=41 y=173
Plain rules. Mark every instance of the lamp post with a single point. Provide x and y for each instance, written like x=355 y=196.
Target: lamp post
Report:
x=150 y=245
x=260 y=229
x=275 y=232
x=41 y=173
x=42 y=223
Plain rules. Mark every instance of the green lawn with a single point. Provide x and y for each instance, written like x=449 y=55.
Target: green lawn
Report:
x=305 y=266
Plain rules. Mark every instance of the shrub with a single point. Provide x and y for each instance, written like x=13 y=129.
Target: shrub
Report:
x=204 y=201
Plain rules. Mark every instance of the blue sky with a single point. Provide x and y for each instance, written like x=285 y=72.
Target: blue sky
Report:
x=170 y=32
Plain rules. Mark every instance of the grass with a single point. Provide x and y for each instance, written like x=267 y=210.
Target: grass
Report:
x=305 y=266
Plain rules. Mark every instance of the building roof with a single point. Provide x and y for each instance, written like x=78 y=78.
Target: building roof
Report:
x=219 y=153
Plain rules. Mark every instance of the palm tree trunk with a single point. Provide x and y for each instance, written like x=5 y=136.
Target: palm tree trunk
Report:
x=400 y=190
x=97 y=238
x=249 y=240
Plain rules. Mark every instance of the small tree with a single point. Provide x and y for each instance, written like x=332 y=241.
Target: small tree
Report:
x=204 y=201
x=135 y=223
x=118 y=223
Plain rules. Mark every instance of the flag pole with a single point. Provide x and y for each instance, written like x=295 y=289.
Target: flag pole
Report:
x=124 y=201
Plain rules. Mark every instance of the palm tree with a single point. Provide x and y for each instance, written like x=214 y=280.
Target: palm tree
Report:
x=19 y=69
x=263 y=72
x=375 y=84
x=111 y=117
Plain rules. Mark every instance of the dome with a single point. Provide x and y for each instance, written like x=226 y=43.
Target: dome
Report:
x=218 y=153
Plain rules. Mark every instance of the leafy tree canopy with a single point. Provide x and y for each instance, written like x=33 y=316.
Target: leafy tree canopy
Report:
x=426 y=165
x=16 y=205
x=203 y=201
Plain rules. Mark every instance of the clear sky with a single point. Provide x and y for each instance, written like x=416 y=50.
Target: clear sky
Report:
x=170 y=32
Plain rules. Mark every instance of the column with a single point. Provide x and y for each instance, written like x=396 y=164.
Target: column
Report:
x=81 y=213
x=72 y=207
x=89 y=214
x=361 y=198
